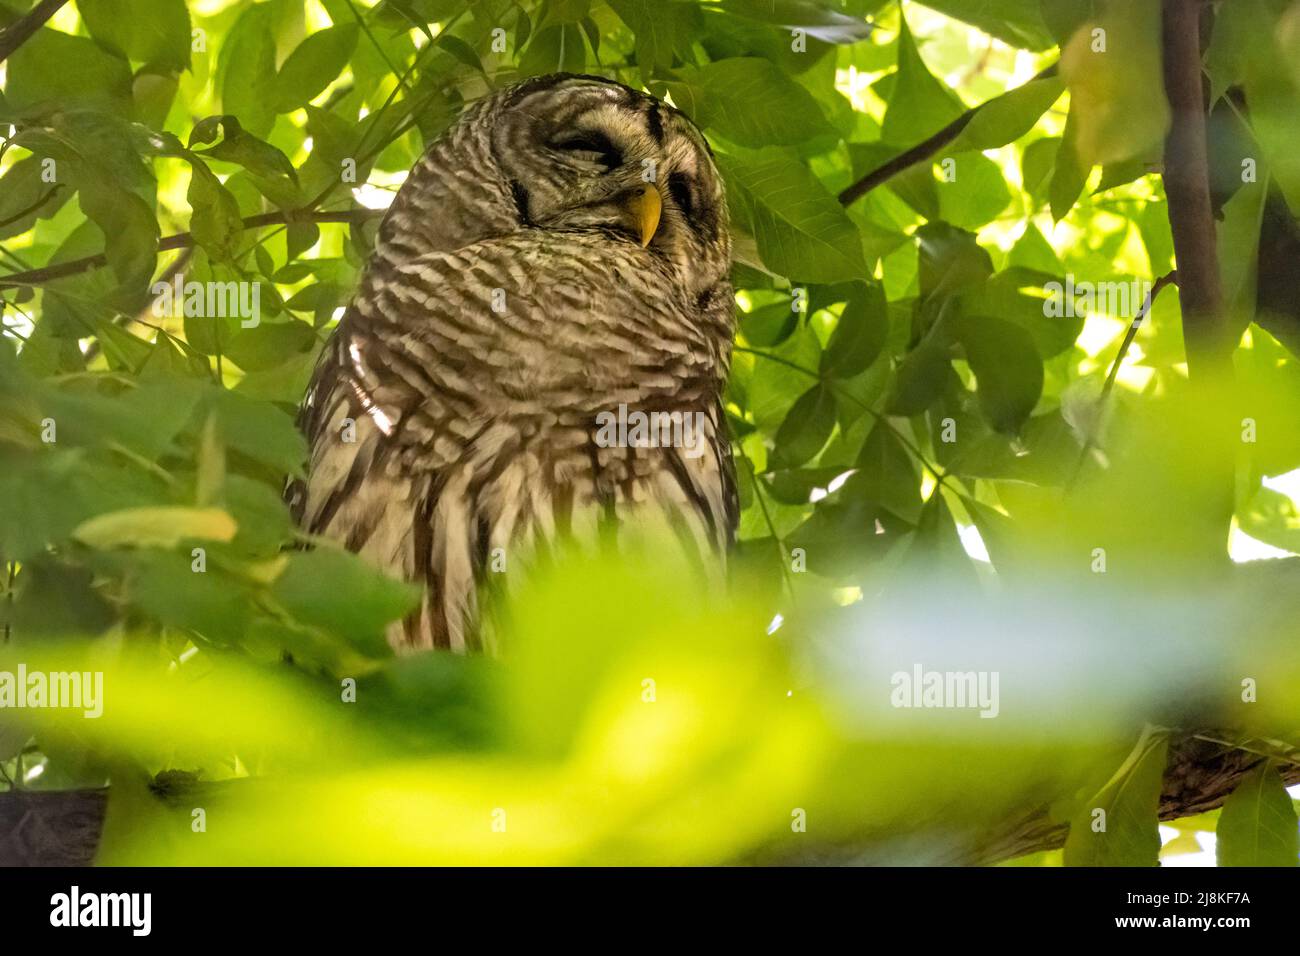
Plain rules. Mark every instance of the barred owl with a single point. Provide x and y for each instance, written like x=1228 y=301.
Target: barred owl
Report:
x=559 y=256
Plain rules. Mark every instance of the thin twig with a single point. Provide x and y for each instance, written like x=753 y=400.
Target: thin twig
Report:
x=1165 y=280
x=32 y=208
x=185 y=240
x=939 y=476
x=1090 y=440
x=767 y=519
x=921 y=151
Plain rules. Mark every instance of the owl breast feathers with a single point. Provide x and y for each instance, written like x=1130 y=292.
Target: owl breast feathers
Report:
x=552 y=276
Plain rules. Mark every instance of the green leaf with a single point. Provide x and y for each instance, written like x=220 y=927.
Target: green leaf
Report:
x=259 y=509
x=154 y=90
x=1069 y=175
x=815 y=19
x=156 y=32
x=789 y=371
x=922 y=377
x=285 y=383
x=21 y=188
x=1238 y=237
x=56 y=599
x=1233 y=43
x=315 y=63
x=917 y=187
x=1015 y=22
x=951 y=260
x=1036 y=166
x=887 y=475
x=64 y=72
x=750 y=102
x=340 y=593
x=461 y=50
x=334 y=142
x=1271 y=517
x=769 y=324
x=977 y=193
x=1118 y=107
x=1008 y=370
x=215 y=604
x=214 y=220
x=129 y=227
x=664 y=29
x=1033 y=252
x=158 y=527
x=860 y=333
x=1018 y=295
x=842 y=533
x=801 y=231
x=237 y=145
x=1063 y=17
x=1258 y=826
x=321 y=299
x=43 y=498
x=1130 y=801
x=246 y=69
x=1006 y=118
x=259 y=430
x=807 y=427
x=269 y=344
x=564 y=11
x=557 y=49
x=1272 y=88
x=300 y=237
x=143 y=419
x=919 y=103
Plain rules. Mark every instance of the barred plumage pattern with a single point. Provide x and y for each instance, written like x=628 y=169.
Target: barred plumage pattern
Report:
x=507 y=305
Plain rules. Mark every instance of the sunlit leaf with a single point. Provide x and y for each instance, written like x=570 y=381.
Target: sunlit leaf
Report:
x=1258 y=824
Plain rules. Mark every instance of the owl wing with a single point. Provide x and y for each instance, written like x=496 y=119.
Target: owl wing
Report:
x=359 y=490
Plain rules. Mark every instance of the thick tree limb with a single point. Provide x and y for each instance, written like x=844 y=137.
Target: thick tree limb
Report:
x=62 y=829
x=184 y=240
x=1187 y=187
x=50 y=829
x=1206 y=338
x=20 y=31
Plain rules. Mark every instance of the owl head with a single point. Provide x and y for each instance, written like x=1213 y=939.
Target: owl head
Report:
x=584 y=153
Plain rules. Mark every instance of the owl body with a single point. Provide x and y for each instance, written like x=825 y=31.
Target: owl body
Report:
x=453 y=418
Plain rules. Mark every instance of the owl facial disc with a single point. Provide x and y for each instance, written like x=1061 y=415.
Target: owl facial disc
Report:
x=583 y=154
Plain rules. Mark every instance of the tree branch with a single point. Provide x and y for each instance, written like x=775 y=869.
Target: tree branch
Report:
x=20 y=31
x=1187 y=188
x=185 y=240
x=62 y=828
x=1090 y=441
x=1206 y=337
x=53 y=191
x=921 y=151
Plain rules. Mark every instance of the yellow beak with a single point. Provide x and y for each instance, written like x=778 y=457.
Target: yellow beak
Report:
x=646 y=205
